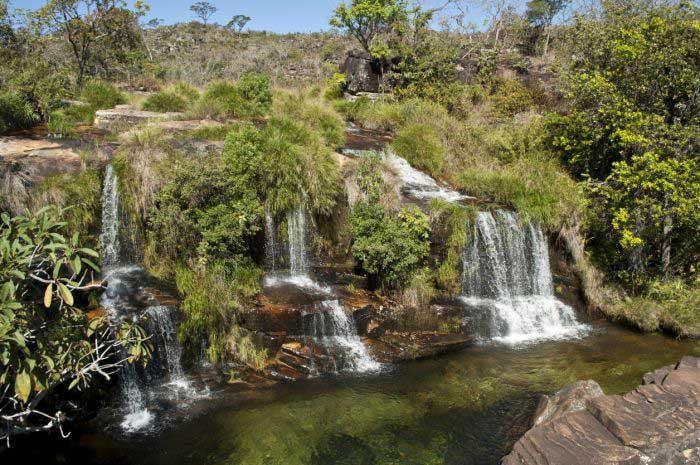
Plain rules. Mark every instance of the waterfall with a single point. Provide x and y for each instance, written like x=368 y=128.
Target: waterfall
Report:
x=271 y=248
x=296 y=236
x=164 y=331
x=109 y=236
x=333 y=328
x=506 y=272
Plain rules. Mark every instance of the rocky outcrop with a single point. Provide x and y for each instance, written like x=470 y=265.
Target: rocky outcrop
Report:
x=25 y=162
x=125 y=117
x=394 y=346
x=656 y=424
x=362 y=73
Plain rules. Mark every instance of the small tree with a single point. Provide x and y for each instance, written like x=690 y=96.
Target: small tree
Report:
x=89 y=26
x=238 y=22
x=541 y=14
x=203 y=10
x=365 y=19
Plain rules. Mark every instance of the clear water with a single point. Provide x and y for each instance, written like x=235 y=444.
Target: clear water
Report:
x=464 y=409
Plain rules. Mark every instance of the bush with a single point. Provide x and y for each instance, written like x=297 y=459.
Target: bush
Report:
x=421 y=146
x=164 y=102
x=389 y=248
x=15 y=113
x=100 y=95
x=254 y=95
x=186 y=91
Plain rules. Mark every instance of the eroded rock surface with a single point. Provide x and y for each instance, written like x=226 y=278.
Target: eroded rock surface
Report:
x=125 y=117
x=656 y=424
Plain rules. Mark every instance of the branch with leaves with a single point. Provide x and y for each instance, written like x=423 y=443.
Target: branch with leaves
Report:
x=47 y=339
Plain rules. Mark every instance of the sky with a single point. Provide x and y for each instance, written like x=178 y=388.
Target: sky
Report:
x=269 y=15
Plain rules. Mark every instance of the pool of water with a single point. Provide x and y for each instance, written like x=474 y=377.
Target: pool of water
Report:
x=465 y=408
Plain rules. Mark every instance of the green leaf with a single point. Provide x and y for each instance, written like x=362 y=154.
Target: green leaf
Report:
x=65 y=294
x=23 y=386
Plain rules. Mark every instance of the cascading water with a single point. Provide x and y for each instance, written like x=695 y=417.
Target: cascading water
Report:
x=418 y=184
x=271 y=248
x=109 y=236
x=296 y=236
x=333 y=328
x=506 y=273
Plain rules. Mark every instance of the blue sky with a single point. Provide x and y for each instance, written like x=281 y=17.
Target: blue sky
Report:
x=269 y=15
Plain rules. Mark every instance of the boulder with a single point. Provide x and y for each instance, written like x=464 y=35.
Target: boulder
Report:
x=124 y=117
x=656 y=424
x=362 y=73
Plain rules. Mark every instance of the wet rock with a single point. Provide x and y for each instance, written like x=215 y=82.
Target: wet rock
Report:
x=124 y=117
x=570 y=399
x=392 y=346
x=657 y=423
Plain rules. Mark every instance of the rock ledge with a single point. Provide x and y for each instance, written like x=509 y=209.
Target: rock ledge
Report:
x=656 y=424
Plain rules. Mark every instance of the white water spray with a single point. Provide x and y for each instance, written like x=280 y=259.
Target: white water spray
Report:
x=506 y=271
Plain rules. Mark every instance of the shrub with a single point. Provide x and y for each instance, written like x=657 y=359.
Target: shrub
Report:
x=163 y=102
x=101 y=95
x=15 y=113
x=254 y=95
x=421 y=146
x=212 y=299
x=511 y=97
x=389 y=248
x=186 y=91
x=217 y=101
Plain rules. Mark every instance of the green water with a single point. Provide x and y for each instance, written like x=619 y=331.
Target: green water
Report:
x=465 y=408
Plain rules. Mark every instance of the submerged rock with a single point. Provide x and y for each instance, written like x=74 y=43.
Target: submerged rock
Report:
x=657 y=423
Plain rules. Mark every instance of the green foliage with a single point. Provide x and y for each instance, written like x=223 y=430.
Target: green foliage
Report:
x=15 y=113
x=389 y=248
x=186 y=91
x=211 y=308
x=366 y=19
x=450 y=223
x=163 y=102
x=287 y=163
x=59 y=124
x=79 y=197
x=100 y=95
x=202 y=214
x=634 y=135
x=203 y=10
x=511 y=97
x=336 y=86
x=250 y=97
x=421 y=146
x=47 y=340
x=664 y=305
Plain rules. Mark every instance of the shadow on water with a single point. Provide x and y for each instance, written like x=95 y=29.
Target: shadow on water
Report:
x=465 y=408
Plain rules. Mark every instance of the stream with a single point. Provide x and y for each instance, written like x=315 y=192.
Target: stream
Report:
x=468 y=407
x=464 y=408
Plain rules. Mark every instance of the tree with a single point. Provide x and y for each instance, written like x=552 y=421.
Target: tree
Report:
x=6 y=33
x=47 y=339
x=633 y=131
x=203 y=10
x=93 y=28
x=541 y=14
x=238 y=22
x=366 y=19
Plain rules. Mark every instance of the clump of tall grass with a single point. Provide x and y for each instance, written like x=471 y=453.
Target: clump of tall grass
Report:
x=249 y=97
x=165 y=102
x=421 y=146
x=15 y=113
x=99 y=95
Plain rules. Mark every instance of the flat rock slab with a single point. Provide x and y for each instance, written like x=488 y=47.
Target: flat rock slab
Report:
x=122 y=118
x=656 y=424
